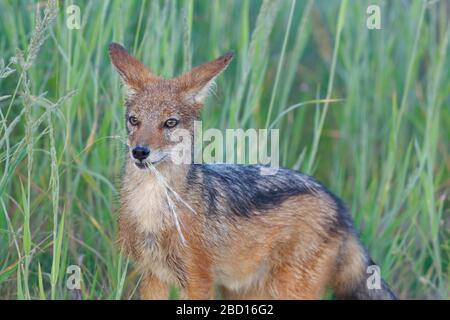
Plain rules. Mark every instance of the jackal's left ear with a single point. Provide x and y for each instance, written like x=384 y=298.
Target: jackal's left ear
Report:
x=135 y=74
x=197 y=83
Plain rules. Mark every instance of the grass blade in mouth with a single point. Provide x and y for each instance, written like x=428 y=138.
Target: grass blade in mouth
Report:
x=168 y=191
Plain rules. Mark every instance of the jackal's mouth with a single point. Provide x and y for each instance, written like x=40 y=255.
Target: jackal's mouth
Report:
x=147 y=163
x=140 y=165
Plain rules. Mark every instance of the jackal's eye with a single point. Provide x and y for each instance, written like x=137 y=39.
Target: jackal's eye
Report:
x=170 y=123
x=133 y=120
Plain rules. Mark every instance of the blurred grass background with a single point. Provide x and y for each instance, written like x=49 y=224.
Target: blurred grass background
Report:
x=384 y=149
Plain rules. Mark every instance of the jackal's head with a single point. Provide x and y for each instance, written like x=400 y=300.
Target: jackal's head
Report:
x=156 y=107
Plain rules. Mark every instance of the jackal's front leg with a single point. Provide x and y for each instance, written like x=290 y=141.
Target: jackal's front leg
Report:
x=200 y=283
x=198 y=288
x=151 y=288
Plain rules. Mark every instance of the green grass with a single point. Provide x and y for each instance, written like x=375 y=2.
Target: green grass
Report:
x=365 y=111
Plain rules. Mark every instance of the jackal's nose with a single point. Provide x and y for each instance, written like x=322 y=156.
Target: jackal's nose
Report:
x=140 y=152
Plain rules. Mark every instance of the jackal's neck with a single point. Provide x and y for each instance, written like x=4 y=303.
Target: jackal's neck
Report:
x=144 y=195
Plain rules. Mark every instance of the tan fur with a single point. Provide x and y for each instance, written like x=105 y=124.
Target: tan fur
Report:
x=353 y=266
x=152 y=288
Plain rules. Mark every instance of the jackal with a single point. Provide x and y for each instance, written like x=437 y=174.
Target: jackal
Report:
x=252 y=236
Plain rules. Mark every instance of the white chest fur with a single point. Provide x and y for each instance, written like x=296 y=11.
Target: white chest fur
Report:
x=145 y=200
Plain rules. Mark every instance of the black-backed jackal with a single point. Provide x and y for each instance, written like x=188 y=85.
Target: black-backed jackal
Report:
x=282 y=236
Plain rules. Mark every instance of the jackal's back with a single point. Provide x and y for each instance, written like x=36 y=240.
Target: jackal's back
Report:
x=246 y=190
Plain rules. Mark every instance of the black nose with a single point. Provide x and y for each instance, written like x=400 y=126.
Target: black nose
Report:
x=140 y=153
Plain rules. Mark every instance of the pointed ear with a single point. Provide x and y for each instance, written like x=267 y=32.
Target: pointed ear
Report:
x=197 y=83
x=135 y=75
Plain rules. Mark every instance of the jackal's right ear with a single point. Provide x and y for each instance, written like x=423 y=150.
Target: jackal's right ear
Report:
x=135 y=75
